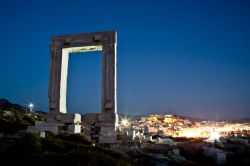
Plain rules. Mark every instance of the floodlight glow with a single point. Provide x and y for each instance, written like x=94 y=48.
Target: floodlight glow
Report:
x=31 y=106
x=125 y=122
x=214 y=135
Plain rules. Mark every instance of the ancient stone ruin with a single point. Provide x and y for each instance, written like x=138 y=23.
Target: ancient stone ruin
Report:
x=103 y=124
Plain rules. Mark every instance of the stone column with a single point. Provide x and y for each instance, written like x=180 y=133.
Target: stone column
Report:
x=109 y=82
x=55 y=76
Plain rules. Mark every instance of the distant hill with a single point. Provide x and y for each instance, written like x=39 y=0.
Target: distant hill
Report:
x=6 y=105
x=192 y=119
x=243 y=120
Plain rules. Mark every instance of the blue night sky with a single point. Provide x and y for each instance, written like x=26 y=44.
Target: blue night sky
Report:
x=185 y=57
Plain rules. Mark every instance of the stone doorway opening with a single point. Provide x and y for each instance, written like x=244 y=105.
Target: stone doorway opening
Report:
x=67 y=54
x=84 y=84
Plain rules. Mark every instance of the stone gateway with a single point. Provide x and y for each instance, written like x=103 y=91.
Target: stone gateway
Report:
x=107 y=120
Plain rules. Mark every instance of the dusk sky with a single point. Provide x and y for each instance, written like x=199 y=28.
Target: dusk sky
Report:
x=184 y=57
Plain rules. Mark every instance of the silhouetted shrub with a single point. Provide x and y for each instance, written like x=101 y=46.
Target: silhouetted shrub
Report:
x=58 y=150
x=77 y=138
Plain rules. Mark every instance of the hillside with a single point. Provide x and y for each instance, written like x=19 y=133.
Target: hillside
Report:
x=21 y=148
x=60 y=150
x=14 y=117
